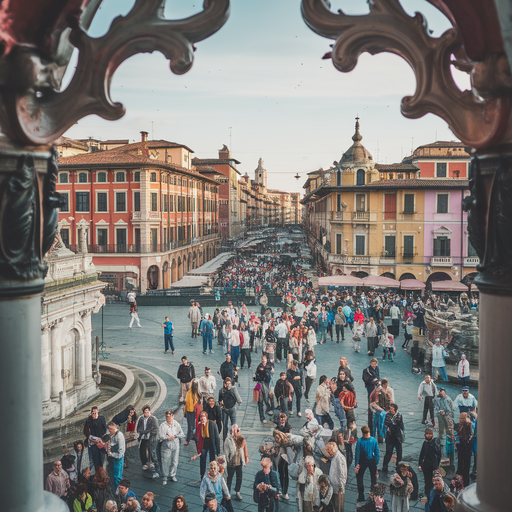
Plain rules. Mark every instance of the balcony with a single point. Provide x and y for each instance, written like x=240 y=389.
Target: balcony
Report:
x=364 y=217
x=387 y=258
x=441 y=261
x=349 y=260
x=471 y=261
x=337 y=216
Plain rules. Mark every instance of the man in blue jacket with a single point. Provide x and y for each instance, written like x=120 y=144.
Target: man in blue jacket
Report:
x=367 y=456
x=267 y=486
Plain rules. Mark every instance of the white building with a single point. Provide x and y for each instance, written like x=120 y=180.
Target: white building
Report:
x=72 y=293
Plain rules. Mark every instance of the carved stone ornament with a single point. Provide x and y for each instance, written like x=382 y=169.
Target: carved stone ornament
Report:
x=388 y=28
x=34 y=111
x=490 y=221
x=28 y=218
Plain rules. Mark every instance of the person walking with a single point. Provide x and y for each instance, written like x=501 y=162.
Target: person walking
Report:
x=245 y=347
x=427 y=391
x=310 y=367
x=293 y=374
x=192 y=401
x=438 y=362
x=134 y=315
x=401 y=488
x=207 y=384
x=371 y=334
x=430 y=458
x=95 y=428
x=147 y=429
x=229 y=399
x=337 y=475
x=170 y=433
x=281 y=331
x=206 y=329
x=236 y=340
x=237 y=456
x=168 y=335
x=116 y=448
x=463 y=370
x=194 y=315
x=340 y=321
x=323 y=401
x=443 y=408
x=263 y=377
x=366 y=457
x=283 y=392
x=267 y=486
x=394 y=425
x=186 y=373
x=208 y=441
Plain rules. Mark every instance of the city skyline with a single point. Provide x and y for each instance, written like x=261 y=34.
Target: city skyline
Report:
x=270 y=95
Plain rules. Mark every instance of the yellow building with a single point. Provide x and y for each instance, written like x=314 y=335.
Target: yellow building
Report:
x=361 y=224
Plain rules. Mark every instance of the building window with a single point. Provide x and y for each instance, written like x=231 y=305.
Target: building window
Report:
x=408 y=203
x=136 y=176
x=136 y=201
x=121 y=240
x=101 y=177
x=102 y=202
x=390 y=175
x=120 y=201
x=102 y=237
x=441 y=169
x=64 y=198
x=165 y=204
x=389 y=246
x=82 y=201
x=339 y=179
x=338 y=202
x=154 y=202
x=63 y=177
x=339 y=243
x=154 y=239
x=120 y=177
x=442 y=246
x=82 y=177
x=360 y=245
x=442 y=203
x=137 y=239
x=360 y=203
x=64 y=234
x=360 y=177
x=408 y=246
x=389 y=206
x=152 y=177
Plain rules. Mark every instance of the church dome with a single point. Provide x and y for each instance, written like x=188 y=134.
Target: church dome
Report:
x=357 y=152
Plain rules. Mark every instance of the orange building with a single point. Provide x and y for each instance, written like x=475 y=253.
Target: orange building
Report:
x=143 y=210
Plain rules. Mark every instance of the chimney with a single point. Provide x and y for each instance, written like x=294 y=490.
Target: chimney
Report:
x=224 y=153
x=144 y=136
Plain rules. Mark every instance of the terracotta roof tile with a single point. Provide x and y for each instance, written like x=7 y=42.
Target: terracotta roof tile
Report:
x=398 y=167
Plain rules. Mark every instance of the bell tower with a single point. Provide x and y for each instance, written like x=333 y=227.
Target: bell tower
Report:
x=260 y=174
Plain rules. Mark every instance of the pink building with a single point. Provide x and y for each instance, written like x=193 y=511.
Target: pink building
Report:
x=448 y=254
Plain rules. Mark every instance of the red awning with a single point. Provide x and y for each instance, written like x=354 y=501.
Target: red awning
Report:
x=411 y=284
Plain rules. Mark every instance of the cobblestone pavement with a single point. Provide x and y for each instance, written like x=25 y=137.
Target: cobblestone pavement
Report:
x=144 y=347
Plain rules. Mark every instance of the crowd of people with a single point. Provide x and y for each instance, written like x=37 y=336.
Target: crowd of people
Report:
x=319 y=455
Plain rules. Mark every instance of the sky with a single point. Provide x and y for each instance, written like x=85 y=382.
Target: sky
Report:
x=260 y=86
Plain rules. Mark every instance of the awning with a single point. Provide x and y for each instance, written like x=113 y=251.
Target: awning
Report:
x=212 y=266
x=411 y=284
x=381 y=282
x=449 y=286
x=190 y=282
x=340 y=281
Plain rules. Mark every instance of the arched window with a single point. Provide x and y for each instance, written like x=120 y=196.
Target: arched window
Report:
x=338 y=179
x=360 y=177
x=120 y=177
x=153 y=177
x=82 y=177
x=101 y=177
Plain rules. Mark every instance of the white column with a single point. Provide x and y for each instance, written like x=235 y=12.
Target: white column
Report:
x=87 y=345
x=56 y=362
x=45 y=363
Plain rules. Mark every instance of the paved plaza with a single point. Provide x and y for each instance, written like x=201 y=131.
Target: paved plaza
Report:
x=144 y=348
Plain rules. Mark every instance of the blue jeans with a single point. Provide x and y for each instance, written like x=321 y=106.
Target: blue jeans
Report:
x=168 y=338
x=96 y=456
x=235 y=354
x=191 y=425
x=227 y=415
x=442 y=372
x=378 y=424
x=298 y=396
x=325 y=418
x=115 y=470
x=207 y=341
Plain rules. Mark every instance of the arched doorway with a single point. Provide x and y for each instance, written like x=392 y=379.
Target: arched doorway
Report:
x=438 y=276
x=468 y=278
x=194 y=260
x=173 y=271
x=407 y=275
x=166 y=275
x=180 y=269
x=153 y=272
x=189 y=261
x=388 y=274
